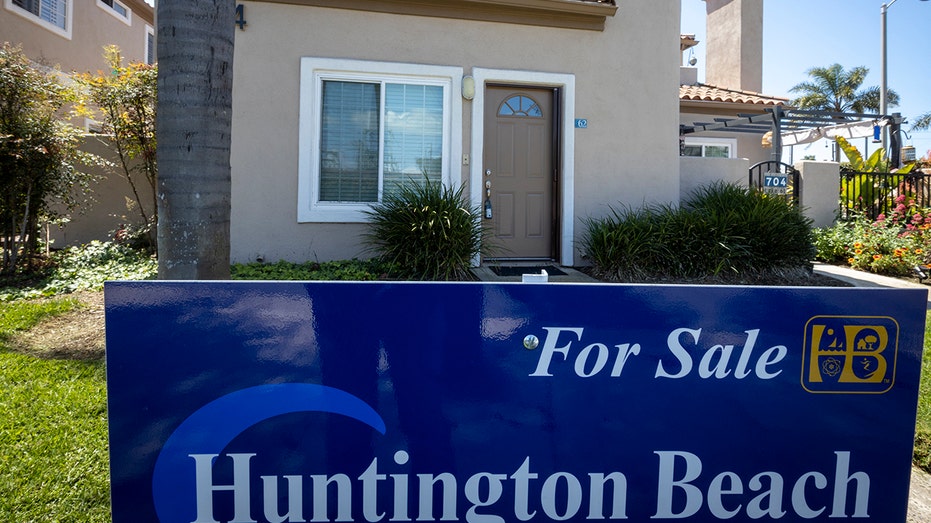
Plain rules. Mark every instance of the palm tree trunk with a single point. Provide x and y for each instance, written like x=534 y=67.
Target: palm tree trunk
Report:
x=195 y=84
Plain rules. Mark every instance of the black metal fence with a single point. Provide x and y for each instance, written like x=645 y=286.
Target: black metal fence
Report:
x=872 y=194
x=777 y=179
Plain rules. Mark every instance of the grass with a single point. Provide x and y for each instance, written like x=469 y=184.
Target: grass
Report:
x=53 y=433
x=922 y=456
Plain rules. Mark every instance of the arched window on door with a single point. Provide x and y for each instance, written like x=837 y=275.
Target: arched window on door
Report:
x=521 y=106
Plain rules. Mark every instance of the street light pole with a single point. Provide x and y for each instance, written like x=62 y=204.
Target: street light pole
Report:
x=883 y=101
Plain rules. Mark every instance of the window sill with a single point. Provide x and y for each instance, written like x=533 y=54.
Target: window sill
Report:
x=571 y=14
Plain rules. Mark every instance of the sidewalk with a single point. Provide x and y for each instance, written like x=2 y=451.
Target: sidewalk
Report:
x=865 y=279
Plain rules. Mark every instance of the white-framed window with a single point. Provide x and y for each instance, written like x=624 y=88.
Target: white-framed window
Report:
x=710 y=147
x=368 y=128
x=149 y=45
x=117 y=9
x=54 y=15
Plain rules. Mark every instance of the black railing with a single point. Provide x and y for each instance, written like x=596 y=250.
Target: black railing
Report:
x=872 y=194
x=776 y=179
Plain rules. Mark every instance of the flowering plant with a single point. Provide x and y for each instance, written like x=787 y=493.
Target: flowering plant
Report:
x=893 y=244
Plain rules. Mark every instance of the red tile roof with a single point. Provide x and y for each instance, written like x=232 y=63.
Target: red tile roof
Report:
x=710 y=93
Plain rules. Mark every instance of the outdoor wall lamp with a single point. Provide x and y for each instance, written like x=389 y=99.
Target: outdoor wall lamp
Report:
x=468 y=87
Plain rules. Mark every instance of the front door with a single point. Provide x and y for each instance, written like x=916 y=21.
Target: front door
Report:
x=519 y=181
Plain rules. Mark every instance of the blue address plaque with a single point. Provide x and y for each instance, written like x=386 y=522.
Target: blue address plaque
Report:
x=492 y=403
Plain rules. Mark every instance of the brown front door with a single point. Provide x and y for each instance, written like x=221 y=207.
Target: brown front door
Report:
x=518 y=171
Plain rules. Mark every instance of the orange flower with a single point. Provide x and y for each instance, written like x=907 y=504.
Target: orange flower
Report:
x=918 y=251
x=850 y=260
x=858 y=251
x=877 y=256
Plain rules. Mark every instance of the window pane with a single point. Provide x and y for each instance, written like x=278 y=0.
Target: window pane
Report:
x=53 y=11
x=692 y=150
x=413 y=134
x=118 y=8
x=150 y=48
x=717 y=151
x=520 y=105
x=29 y=5
x=349 y=142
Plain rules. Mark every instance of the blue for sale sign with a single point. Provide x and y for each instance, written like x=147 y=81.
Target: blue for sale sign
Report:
x=277 y=402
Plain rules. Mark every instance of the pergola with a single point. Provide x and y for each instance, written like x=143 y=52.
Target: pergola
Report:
x=797 y=126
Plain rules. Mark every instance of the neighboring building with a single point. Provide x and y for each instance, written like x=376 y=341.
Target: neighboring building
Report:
x=733 y=81
x=559 y=109
x=71 y=34
x=702 y=103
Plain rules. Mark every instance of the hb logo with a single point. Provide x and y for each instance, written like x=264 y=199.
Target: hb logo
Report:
x=849 y=354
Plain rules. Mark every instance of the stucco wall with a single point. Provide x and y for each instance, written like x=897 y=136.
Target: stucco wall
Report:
x=698 y=172
x=734 y=44
x=820 y=191
x=626 y=82
x=110 y=202
x=93 y=27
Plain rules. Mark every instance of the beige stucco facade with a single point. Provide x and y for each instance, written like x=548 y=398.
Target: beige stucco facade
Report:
x=734 y=45
x=622 y=80
x=111 y=203
x=90 y=25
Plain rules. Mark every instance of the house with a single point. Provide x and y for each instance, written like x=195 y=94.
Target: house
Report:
x=733 y=82
x=553 y=111
x=732 y=92
x=70 y=36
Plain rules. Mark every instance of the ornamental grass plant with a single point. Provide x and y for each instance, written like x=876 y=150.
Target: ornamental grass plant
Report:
x=723 y=231
x=426 y=231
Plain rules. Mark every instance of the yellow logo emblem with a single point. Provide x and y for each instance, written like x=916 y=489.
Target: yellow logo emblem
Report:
x=849 y=354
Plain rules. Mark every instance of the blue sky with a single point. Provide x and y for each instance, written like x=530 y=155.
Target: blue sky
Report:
x=801 y=34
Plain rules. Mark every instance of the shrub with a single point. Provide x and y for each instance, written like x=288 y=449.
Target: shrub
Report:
x=84 y=268
x=426 y=231
x=353 y=270
x=721 y=230
x=893 y=245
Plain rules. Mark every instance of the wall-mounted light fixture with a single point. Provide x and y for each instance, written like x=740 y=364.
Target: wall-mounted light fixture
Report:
x=468 y=87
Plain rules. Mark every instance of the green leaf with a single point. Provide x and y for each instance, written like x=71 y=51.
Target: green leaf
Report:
x=852 y=153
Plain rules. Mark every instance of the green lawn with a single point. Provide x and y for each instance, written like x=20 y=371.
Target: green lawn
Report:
x=53 y=431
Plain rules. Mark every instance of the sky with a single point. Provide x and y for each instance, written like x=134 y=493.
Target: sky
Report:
x=801 y=34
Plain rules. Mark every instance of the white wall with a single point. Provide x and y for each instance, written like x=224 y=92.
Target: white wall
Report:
x=819 y=181
x=820 y=191
x=698 y=172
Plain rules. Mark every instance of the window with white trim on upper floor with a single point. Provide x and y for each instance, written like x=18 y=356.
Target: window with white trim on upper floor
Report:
x=149 y=45
x=118 y=9
x=54 y=15
x=368 y=129
x=709 y=147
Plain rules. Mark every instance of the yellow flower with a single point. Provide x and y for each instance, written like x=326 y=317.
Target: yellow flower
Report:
x=857 y=245
x=877 y=256
x=918 y=251
x=850 y=260
x=858 y=251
